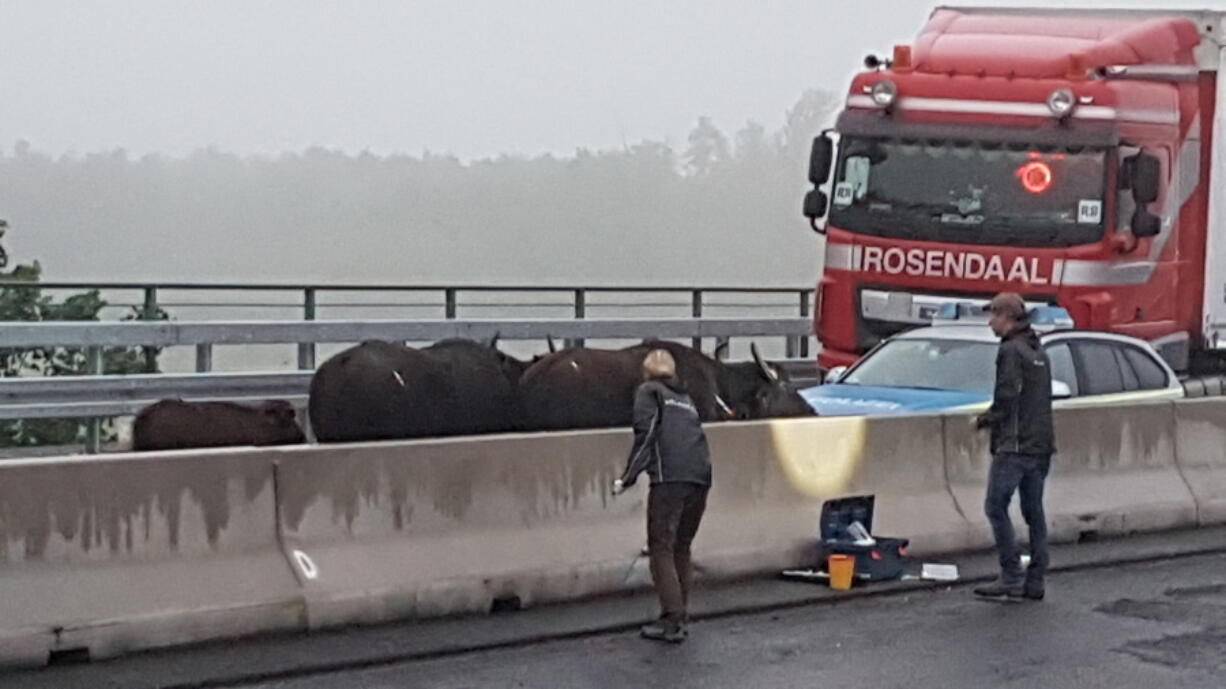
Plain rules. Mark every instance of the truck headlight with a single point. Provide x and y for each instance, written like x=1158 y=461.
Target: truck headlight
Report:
x=884 y=93
x=1061 y=102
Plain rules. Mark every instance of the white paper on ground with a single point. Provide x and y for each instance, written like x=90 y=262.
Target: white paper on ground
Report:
x=939 y=572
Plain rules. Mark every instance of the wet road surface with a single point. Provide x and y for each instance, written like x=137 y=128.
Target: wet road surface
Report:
x=1150 y=625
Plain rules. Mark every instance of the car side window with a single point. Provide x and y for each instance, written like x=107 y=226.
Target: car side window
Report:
x=1130 y=377
x=1062 y=368
x=1100 y=370
x=1149 y=372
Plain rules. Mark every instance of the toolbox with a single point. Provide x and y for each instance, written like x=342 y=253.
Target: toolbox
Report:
x=881 y=560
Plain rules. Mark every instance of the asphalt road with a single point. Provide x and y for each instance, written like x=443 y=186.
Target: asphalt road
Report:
x=1157 y=617
x=1149 y=625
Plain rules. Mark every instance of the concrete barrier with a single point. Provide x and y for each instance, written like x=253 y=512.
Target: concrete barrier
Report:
x=147 y=550
x=421 y=528
x=772 y=478
x=1114 y=473
x=389 y=530
x=1200 y=440
x=112 y=554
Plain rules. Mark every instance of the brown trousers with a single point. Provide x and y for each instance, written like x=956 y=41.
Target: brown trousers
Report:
x=674 y=511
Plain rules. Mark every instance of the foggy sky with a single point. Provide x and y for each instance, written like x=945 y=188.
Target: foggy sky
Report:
x=477 y=78
x=473 y=77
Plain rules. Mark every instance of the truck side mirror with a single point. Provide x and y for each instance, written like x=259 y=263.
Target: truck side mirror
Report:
x=1146 y=174
x=1145 y=224
x=815 y=207
x=819 y=159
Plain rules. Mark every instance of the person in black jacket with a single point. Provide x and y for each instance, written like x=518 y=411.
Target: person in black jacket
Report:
x=669 y=444
x=1022 y=445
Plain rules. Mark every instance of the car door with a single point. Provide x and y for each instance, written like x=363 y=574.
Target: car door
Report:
x=1109 y=371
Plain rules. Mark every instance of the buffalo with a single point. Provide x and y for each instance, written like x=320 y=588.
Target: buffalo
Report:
x=382 y=390
x=594 y=388
x=175 y=425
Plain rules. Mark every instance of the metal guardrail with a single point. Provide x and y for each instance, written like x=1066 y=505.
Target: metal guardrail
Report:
x=204 y=335
x=153 y=298
x=170 y=333
x=99 y=396
x=88 y=396
x=448 y=302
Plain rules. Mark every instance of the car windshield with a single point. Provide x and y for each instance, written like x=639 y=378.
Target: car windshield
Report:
x=970 y=192
x=963 y=365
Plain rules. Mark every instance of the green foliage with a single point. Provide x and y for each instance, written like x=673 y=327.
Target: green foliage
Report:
x=22 y=303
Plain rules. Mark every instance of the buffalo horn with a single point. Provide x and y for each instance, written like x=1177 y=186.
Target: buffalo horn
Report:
x=766 y=369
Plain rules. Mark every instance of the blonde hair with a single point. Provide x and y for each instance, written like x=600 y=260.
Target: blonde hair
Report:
x=659 y=364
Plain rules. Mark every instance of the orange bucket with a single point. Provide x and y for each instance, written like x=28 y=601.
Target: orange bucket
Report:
x=842 y=570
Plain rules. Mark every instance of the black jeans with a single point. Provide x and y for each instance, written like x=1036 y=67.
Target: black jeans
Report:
x=1025 y=474
x=674 y=511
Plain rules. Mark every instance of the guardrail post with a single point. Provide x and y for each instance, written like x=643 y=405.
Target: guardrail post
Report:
x=580 y=313
x=696 y=312
x=150 y=313
x=306 y=350
x=204 y=357
x=805 y=295
x=449 y=307
x=93 y=429
x=790 y=345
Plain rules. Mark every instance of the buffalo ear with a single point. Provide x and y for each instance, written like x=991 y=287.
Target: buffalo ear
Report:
x=767 y=371
x=492 y=343
x=280 y=410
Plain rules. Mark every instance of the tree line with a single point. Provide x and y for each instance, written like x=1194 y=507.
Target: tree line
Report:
x=716 y=208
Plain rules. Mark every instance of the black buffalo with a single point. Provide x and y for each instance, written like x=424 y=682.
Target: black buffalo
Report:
x=594 y=388
x=381 y=390
x=177 y=425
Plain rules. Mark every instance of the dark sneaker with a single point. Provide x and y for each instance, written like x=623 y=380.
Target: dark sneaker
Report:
x=999 y=589
x=661 y=630
x=1033 y=594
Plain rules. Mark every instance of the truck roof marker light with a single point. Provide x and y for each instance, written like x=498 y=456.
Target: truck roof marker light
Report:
x=1035 y=176
x=902 y=58
x=884 y=93
x=1061 y=102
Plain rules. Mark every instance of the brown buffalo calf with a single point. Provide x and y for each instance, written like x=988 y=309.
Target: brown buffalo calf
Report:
x=176 y=425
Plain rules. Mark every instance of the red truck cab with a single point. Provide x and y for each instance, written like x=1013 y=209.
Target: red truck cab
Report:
x=1062 y=154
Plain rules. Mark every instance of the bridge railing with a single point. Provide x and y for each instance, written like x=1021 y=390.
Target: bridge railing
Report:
x=99 y=396
x=187 y=301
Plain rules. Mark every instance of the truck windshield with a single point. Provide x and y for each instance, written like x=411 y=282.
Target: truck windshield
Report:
x=970 y=192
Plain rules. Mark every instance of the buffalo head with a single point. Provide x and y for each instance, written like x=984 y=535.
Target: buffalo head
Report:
x=281 y=423
x=758 y=390
x=510 y=367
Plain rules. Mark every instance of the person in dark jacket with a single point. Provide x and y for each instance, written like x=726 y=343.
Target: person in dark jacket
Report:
x=1022 y=445
x=669 y=444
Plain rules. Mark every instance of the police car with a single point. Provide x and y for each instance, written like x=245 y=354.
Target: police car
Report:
x=951 y=366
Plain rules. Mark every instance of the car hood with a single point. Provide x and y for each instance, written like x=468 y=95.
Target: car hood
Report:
x=836 y=399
